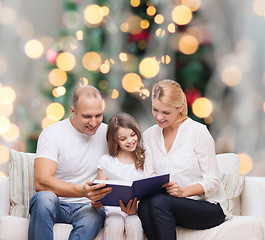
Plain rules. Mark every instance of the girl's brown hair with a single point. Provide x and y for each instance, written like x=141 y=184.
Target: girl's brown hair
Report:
x=124 y=120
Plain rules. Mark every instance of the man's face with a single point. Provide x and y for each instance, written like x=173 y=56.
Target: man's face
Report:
x=88 y=116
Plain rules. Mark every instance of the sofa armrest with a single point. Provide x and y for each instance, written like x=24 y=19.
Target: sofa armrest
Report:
x=253 y=198
x=4 y=196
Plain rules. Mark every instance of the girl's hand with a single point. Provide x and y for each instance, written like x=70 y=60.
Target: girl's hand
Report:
x=96 y=204
x=174 y=189
x=131 y=207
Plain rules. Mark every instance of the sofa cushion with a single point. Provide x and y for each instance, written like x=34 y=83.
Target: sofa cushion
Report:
x=21 y=185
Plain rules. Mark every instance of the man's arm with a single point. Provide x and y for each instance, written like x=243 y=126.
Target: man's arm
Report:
x=45 y=180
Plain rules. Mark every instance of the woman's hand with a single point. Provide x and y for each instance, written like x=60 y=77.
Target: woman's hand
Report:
x=96 y=204
x=131 y=207
x=174 y=189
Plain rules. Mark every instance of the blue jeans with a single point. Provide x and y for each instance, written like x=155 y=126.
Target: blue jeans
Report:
x=162 y=213
x=46 y=210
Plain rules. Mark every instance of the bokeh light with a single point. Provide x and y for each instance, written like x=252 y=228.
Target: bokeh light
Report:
x=231 y=76
x=134 y=24
x=34 y=49
x=149 y=67
x=6 y=109
x=151 y=11
x=135 y=3
x=132 y=82
x=165 y=59
x=194 y=5
x=4 y=124
x=47 y=122
x=4 y=154
x=79 y=35
x=7 y=15
x=12 y=134
x=159 y=19
x=144 y=24
x=246 y=163
x=202 y=107
x=115 y=94
x=259 y=7
x=93 y=14
x=188 y=44
x=181 y=15
x=7 y=95
x=160 y=32
x=66 y=61
x=91 y=61
x=55 y=111
x=171 y=28
x=57 y=77
x=59 y=91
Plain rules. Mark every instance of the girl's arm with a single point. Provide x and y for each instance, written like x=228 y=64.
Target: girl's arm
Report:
x=101 y=175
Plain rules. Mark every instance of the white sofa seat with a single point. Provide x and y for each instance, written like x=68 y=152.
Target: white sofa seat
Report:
x=248 y=227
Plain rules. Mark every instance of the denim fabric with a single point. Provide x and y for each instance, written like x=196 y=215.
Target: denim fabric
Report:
x=161 y=214
x=46 y=210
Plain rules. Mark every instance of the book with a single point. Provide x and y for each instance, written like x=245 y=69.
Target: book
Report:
x=126 y=190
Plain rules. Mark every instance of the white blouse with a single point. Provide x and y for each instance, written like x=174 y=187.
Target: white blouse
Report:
x=191 y=159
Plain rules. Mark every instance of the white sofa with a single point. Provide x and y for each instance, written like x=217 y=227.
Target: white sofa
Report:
x=246 y=198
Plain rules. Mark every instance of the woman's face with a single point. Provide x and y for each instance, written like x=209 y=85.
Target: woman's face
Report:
x=127 y=139
x=164 y=115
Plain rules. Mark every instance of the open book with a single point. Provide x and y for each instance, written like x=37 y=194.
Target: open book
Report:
x=126 y=190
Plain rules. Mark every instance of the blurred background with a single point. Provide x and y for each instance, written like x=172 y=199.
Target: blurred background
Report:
x=214 y=49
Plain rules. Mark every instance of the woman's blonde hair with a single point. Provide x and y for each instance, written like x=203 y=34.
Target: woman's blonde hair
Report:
x=170 y=93
x=124 y=120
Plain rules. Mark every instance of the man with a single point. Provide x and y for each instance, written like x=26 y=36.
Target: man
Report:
x=65 y=165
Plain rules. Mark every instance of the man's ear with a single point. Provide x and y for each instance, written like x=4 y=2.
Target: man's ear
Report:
x=72 y=109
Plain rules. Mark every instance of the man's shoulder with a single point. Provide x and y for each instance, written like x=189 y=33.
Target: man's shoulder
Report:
x=57 y=126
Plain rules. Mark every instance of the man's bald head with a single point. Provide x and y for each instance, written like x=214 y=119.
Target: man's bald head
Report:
x=86 y=91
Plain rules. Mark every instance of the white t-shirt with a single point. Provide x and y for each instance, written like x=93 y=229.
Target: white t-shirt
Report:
x=191 y=159
x=75 y=153
x=113 y=169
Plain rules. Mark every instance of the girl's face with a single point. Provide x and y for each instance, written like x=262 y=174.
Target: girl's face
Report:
x=164 y=115
x=127 y=139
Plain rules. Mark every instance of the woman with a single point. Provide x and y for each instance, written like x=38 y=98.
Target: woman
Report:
x=185 y=149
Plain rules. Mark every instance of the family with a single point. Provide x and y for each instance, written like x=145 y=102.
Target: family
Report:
x=73 y=152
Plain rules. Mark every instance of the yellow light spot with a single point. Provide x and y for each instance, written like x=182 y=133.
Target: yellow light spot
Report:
x=115 y=94
x=171 y=28
x=2 y=174
x=202 y=107
x=145 y=92
x=132 y=82
x=160 y=32
x=103 y=84
x=151 y=11
x=79 y=35
x=34 y=49
x=105 y=10
x=6 y=109
x=47 y=122
x=159 y=19
x=55 y=111
x=12 y=134
x=83 y=81
x=103 y=104
x=131 y=64
x=4 y=125
x=134 y=24
x=57 y=77
x=181 y=15
x=259 y=7
x=104 y=68
x=124 y=27
x=135 y=3
x=264 y=106
x=7 y=95
x=4 y=154
x=188 y=44
x=91 y=61
x=149 y=67
x=7 y=15
x=165 y=59
x=66 y=61
x=59 y=91
x=231 y=76
x=144 y=24
x=246 y=163
x=123 y=57
x=93 y=14
x=194 y=5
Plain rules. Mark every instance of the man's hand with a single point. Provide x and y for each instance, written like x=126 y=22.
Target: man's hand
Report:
x=95 y=192
x=131 y=207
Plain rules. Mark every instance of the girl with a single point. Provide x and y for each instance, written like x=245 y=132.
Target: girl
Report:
x=185 y=149
x=124 y=162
